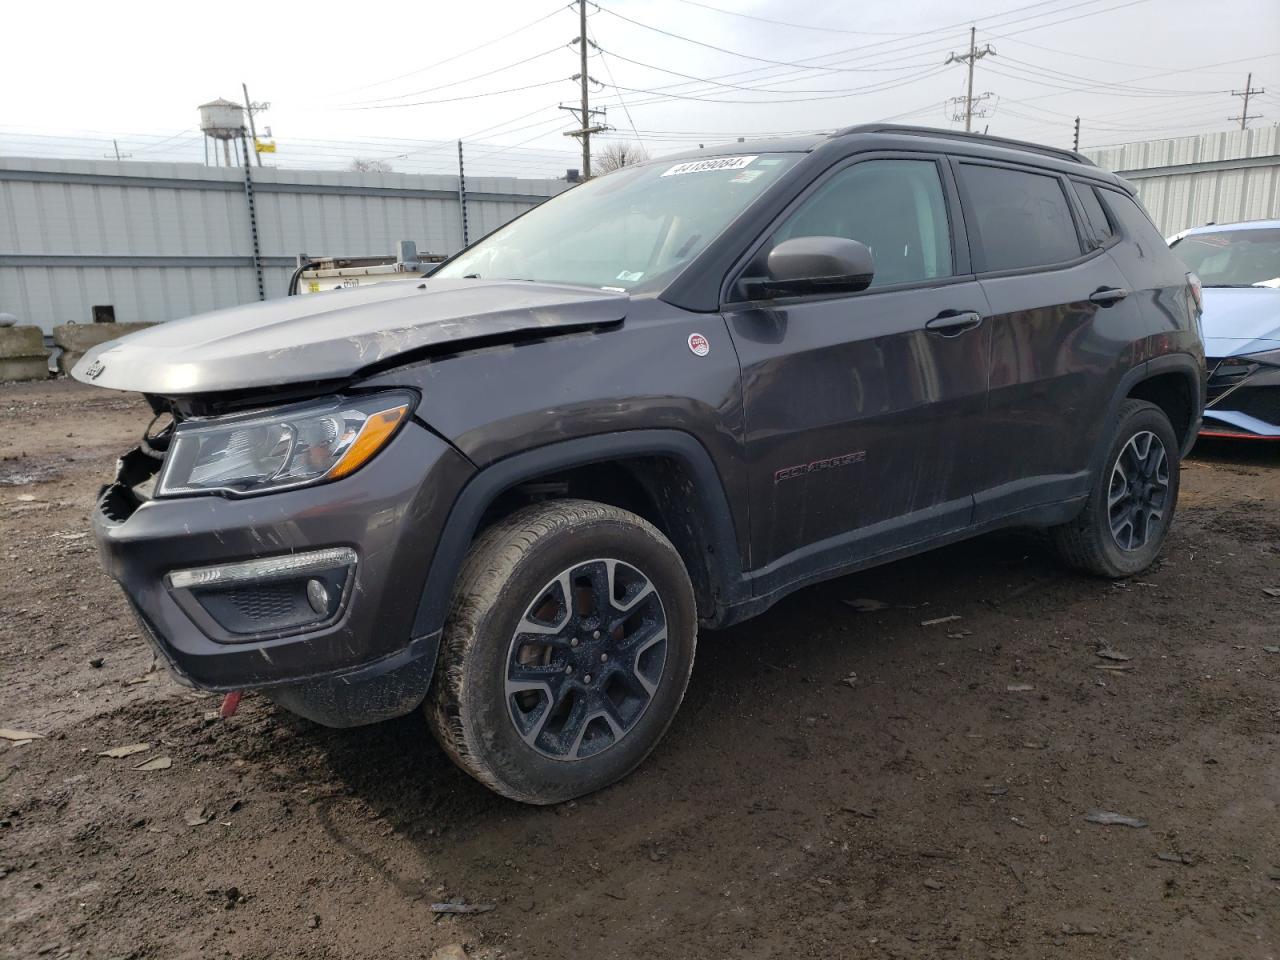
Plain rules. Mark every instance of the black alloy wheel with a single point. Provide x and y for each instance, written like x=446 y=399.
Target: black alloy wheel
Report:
x=1139 y=490
x=568 y=647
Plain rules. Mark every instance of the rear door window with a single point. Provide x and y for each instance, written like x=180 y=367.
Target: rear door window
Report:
x=1022 y=219
x=1099 y=227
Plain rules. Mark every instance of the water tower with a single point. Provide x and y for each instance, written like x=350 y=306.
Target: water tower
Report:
x=221 y=120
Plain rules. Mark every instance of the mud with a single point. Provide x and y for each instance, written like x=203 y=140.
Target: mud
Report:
x=838 y=783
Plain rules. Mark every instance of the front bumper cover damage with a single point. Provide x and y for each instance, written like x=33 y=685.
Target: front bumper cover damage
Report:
x=1243 y=399
x=358 y=665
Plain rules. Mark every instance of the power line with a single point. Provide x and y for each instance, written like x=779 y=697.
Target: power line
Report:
x=1152 y=76
x=737 y=86
x=712 y=46
x=609 y=73
x=1109 y=86
x=805 y=64
x=453 y=83
x=457 y=56
x=152 y=146
x=473 y=96
x=797 y=26
x=1084 y=56
x=834 y=94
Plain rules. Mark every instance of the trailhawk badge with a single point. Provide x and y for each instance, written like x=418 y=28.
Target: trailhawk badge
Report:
x=699 y=345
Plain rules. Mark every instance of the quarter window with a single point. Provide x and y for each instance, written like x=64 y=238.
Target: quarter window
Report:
x=1135 y=222
x=895 y=207
x=1099 y=227
x=1022 y=219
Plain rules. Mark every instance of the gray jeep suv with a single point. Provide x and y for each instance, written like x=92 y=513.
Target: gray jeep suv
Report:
x=511 y=493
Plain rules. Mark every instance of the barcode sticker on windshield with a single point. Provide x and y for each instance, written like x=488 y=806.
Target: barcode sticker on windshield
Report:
x=713 y=163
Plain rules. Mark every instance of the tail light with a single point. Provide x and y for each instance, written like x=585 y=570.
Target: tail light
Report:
x=1197 y=291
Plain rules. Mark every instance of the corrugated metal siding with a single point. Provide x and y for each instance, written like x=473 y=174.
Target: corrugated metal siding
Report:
x=144 y=211
x=1221 y=193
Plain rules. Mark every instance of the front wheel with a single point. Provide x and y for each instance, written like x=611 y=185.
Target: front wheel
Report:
x=1123 y=526
x=566 y=651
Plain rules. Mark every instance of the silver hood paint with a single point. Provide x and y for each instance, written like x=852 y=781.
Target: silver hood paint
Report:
x=1240 y=320
x=333 y=335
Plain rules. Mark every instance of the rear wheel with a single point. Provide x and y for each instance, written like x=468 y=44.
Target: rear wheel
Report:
x=1123 y=526
x=566 y=653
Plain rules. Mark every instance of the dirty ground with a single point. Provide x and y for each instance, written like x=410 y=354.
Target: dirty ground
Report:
x=842 y=781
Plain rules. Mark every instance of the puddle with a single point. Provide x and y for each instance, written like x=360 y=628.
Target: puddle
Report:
x=19 y=473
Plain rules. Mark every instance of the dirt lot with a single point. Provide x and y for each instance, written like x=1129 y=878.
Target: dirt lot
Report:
x=933 y=804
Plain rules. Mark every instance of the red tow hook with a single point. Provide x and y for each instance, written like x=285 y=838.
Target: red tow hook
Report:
x=230 y=703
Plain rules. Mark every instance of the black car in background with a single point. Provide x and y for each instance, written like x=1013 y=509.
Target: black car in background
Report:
x=666 y=398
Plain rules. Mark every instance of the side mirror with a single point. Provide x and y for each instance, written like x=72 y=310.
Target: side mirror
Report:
x=818 y=265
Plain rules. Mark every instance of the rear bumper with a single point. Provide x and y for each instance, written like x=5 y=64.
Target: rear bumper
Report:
x=390 y=513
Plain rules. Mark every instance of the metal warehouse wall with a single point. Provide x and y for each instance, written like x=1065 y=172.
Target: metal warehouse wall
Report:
x=165 y=240
x=1189 y=181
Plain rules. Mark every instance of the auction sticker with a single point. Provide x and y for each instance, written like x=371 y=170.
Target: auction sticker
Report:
x=712 y=163
x=699 y=345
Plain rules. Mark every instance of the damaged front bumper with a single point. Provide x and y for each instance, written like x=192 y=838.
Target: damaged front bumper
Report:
x=307 y=595
x=1243 y=399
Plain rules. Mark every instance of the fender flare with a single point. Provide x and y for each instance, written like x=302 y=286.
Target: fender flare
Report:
x=1183 y=363
x=493 y=480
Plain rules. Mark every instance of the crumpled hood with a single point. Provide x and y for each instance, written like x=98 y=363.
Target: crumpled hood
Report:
x=330 y=336
x=1240 y=320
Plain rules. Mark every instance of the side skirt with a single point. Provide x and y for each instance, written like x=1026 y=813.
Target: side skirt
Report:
x=1040 y=516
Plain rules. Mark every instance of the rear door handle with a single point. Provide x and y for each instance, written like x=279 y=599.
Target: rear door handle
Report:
x=1106 y=296
x=952 y=323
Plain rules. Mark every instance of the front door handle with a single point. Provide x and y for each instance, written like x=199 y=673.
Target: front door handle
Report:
x=952 y=323
x=1106 y=296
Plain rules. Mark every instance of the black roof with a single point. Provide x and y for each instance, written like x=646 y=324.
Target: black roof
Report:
x=941 y=136
x=935 y=133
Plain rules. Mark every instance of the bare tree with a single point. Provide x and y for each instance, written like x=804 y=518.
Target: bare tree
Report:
x=361 y=165
x=619 y=153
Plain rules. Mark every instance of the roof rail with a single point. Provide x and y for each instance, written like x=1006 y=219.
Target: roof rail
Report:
x=1060 y=153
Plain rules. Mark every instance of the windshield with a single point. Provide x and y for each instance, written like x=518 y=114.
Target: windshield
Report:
x=631 y=229
x=1233 y=258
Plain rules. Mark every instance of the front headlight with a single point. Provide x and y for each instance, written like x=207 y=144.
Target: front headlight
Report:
x=279 y=449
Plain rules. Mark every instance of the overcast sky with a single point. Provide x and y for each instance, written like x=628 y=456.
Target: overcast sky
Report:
x=339 y=75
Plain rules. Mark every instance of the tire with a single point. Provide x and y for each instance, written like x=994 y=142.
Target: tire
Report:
x=1118 y=538
x=519 y=696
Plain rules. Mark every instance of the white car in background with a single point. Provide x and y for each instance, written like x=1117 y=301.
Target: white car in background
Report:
x=1239 y=267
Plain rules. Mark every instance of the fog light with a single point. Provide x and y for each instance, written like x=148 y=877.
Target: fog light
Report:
x=318 y=596
x=271 y=596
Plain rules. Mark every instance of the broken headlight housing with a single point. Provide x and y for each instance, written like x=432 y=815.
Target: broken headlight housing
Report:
x=288 y=447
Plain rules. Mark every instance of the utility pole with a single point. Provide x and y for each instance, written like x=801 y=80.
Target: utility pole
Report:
x=1075 y=139
x=462 y=199
x=971 y=58
x=1248 y=91
x=252 y=205
x=251 y=108
x=584 y=114
x=119 y=155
